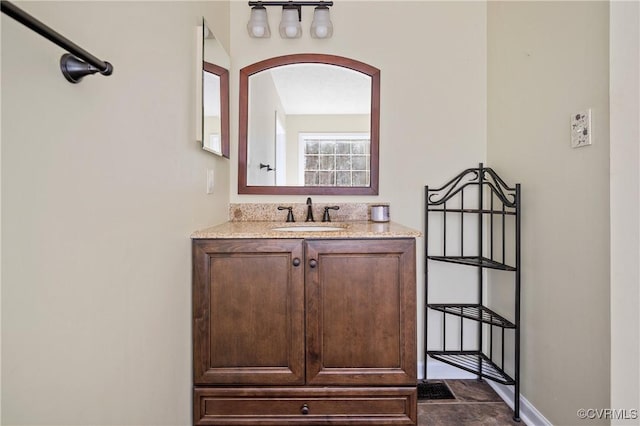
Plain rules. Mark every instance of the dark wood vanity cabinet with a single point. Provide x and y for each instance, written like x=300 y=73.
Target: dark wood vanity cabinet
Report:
x=248 y=312
x=294 y=331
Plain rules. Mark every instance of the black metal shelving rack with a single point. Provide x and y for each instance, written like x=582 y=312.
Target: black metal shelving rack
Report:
x=496 y=207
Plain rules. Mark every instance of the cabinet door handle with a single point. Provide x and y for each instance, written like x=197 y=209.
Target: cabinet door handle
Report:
x=296 y=262
x=313 y=263
x=304 y=409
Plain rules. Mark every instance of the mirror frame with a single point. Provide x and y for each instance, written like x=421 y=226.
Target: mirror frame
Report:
x=313 y=58
x=223 y=74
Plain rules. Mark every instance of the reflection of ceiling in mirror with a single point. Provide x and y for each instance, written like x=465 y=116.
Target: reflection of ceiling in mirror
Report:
x=322 y=89
x=211 y=90
x=213 y=51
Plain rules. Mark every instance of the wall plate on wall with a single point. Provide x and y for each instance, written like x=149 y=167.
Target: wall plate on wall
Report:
x=581 y=129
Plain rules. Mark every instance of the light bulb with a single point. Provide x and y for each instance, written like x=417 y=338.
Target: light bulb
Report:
x=257 y=32
x=321 y=31
x=289 y=24
x=291 y=31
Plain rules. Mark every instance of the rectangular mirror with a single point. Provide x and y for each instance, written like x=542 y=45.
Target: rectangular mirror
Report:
x=213 y=118
x=309 y=124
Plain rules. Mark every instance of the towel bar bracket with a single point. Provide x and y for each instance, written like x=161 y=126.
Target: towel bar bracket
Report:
x=74 y=65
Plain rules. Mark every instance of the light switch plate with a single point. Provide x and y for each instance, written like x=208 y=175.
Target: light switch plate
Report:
x=581 y=129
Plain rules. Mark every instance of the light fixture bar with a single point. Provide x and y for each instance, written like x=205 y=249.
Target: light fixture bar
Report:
x=321 y=27
x=290 y=3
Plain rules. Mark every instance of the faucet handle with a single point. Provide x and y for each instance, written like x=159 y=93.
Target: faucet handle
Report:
x=325 y=216
x=290 y=217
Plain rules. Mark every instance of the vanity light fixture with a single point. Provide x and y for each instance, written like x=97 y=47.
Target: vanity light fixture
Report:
x=290 y=26
x=258 y=25
x=321 y=27
x=290 y=23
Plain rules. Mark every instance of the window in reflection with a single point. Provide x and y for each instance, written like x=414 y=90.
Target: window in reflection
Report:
x=335 y=159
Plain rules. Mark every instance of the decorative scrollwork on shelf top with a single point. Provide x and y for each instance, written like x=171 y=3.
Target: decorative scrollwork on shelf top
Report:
x=476 y=176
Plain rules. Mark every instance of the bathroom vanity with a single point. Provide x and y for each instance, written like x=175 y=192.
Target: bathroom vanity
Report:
x=302 y=326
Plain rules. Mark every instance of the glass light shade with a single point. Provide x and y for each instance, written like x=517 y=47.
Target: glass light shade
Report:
x=258 y=25
x=321 y=27
x=289 y=24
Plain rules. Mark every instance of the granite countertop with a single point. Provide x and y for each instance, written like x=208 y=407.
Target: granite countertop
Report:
x=265 y=229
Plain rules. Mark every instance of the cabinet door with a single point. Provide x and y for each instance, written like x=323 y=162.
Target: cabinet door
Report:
x=361 y=312
x=248 y=312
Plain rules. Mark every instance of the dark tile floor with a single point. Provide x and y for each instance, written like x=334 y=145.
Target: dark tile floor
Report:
x=476 y=404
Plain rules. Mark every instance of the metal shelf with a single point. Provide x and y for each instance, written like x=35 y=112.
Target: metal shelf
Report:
x=484 y=212
x=474 y=312
x=483 y=262
x=473 y=362
x=474 y=211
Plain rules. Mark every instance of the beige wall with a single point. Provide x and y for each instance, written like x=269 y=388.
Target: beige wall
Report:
x=102 y=184
x=547 y=60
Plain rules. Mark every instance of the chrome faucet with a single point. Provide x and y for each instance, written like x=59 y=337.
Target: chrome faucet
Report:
x=309 y=211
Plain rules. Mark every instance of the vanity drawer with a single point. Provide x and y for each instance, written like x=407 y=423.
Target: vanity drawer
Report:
x=309 y=406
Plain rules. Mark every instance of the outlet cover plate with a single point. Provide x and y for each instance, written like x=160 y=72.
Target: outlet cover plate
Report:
x=581 y=129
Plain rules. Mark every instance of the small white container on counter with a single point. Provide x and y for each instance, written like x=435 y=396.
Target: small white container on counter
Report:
x=380 y=213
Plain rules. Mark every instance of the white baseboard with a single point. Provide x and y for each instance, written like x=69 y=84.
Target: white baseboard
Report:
x=528 y=413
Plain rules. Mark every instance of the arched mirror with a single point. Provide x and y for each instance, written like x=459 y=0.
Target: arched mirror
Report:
x=213 y=122
x=309 y=124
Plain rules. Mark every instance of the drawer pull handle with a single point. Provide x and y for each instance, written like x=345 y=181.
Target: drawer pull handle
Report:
x=313 y=263
x=296 y=262
x=304 y=409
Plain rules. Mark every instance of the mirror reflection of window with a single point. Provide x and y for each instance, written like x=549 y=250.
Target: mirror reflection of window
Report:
x=335 y=159
x=214 y=142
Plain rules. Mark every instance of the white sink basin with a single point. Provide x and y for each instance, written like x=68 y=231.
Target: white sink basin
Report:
x=309 y=228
